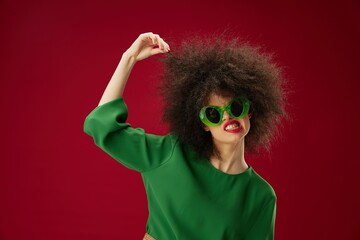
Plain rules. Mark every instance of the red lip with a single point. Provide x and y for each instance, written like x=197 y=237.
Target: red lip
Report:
x=233 y=130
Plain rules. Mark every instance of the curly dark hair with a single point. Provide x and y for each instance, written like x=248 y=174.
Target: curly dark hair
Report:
x=227 y=67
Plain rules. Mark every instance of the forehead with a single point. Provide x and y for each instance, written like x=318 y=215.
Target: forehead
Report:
x=218 y=100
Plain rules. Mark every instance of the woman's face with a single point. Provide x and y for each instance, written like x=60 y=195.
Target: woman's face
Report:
x=230 y=131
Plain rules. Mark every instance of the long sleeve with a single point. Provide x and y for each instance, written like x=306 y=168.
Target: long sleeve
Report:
x=131 y=147
x=264 y=226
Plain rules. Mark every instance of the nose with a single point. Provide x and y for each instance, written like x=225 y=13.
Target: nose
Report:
x=226 y=116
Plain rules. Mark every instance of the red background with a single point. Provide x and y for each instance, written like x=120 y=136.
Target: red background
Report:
x=57 y=58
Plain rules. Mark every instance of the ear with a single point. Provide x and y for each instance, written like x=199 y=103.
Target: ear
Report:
x=249 y=115
x=206 y=128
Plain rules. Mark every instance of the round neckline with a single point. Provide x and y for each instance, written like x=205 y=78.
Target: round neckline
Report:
x=228 y=174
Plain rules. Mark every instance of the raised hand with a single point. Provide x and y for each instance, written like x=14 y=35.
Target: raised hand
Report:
x=147 y=45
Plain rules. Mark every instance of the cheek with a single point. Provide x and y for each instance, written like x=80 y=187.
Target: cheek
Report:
x=246 y=124
x=215 y=131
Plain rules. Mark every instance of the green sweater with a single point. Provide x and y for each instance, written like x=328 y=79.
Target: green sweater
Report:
x=188 y=198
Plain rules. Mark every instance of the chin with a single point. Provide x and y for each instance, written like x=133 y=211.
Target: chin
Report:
x=236 y=138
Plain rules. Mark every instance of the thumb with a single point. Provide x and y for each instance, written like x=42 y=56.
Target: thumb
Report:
x=155 y=51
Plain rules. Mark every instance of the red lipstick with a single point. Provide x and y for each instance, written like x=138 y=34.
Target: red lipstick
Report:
x=234 y=128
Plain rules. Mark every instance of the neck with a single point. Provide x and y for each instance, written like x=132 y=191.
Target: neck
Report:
x=231 y=158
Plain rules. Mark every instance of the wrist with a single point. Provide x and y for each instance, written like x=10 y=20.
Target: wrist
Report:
x=128 y=57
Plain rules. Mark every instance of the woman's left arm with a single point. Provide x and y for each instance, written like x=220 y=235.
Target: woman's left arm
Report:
x=264 y=226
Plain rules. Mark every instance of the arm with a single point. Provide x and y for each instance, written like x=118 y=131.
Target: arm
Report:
x=107 y=122
x=132 y=147
x=146 y=45
x=264 y=226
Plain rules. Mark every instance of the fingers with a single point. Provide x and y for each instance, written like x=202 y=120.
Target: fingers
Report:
x=156 y=40
x=155 y=51
x=161 y=43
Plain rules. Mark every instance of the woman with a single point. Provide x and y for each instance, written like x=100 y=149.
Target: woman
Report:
x=197 y=181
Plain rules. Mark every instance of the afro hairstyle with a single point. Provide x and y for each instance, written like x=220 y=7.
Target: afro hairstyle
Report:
x=225 y=66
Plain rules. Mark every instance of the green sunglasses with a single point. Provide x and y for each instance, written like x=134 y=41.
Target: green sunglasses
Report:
x=213 y=115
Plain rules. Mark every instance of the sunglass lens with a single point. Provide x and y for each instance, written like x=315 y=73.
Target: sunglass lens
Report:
x=212 y=115
x=236 y=108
